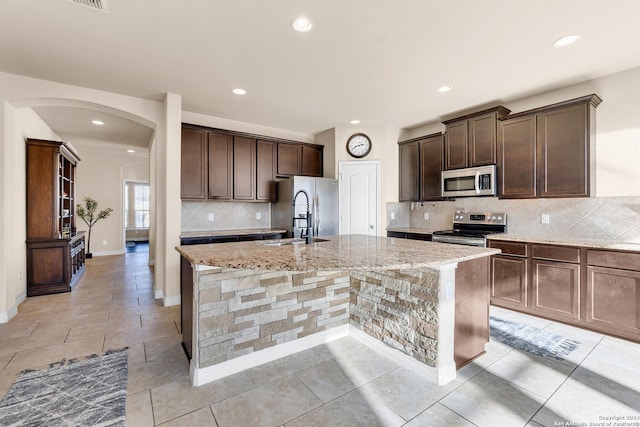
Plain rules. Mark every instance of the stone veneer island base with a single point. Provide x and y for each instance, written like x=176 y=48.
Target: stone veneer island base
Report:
x=248 y=303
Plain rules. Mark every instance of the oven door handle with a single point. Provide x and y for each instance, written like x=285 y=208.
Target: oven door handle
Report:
x=477 y=182
x=460 y=241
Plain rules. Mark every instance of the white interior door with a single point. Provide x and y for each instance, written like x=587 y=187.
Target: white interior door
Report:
x=359 y=195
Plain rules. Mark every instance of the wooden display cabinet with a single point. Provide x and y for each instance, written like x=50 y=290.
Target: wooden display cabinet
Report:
x=55 y=252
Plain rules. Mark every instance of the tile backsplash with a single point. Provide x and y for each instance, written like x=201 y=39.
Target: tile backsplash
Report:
x=615 y=218
x=226 y=216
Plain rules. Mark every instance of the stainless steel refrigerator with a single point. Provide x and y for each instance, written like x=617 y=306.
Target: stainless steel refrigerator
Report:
x=323 y=206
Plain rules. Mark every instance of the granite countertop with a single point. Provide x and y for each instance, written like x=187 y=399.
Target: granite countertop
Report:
x=414 y=230
x=347 y=252
x=587 y=243
x=238 y=232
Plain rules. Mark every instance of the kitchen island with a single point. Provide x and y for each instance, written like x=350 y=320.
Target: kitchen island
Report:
x=248 y=303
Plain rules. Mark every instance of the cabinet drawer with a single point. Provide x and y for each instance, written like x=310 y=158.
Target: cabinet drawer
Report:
x=509 y=248
x=623 y=260
x=556 y=253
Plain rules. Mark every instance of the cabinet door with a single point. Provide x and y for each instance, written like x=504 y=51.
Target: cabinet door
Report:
x=613 y=301
x=509 y=281
x=482 y=140
x=244 y=168
x=409 y=171
x=266 y=171
x=193 y=164
x=289 y=159
x=431 y=168
x=311 y=161
x=455 y=151
x=517 y=157
x=220 y=166
x=563 y=155
x=556 y=289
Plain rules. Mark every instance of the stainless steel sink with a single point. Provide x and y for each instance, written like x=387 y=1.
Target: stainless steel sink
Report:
x=293 y=242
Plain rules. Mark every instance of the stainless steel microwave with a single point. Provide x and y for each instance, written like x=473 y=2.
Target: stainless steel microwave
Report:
x=476 y=181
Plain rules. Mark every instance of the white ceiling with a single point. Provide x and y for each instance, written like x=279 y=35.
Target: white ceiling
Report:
x=379 y=61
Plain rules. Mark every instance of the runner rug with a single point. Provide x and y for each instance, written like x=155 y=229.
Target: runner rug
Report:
x=531 y=339
x=90 y=392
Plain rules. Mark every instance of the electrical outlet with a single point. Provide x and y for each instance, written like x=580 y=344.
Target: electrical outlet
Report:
x=104 y=243
x=393 y=215
x=426 y=215
x=210 y=216
x=258 y=215
x=544 y=218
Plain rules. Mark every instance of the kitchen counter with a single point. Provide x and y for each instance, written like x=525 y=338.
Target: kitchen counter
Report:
x=585 y=243
x=346 y=252
x=248 y=303
x=237 y=232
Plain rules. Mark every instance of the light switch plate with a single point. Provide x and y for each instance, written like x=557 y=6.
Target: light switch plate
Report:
x=393 y=215
x=258 y=215
x=544 y=218
x=426 y=215
x=210 y=216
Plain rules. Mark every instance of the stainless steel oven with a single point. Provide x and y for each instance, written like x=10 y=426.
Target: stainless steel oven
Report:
x=477 y=181
x=471 y=229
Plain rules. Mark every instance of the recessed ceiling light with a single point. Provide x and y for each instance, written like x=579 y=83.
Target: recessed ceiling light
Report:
x=97 y=122
x=239 y=91
x=354 y=122
x=131 y=151
x=302 y=24
x=566 y=40
x=443 y=89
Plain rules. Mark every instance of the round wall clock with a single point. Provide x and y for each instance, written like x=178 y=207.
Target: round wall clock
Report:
x=358 y=145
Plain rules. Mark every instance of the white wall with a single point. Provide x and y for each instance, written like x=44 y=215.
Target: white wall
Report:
x=617 y=128
x=19 y=124
x=103 y=168
x=385 y=150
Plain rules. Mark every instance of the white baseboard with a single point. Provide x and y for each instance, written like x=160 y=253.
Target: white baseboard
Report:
x=212 y=373
x=5 y=316
x=21 y=297
x=442 y=375
x=107 y=253
x=158 y=293
x=172 y=300
x=152 y=261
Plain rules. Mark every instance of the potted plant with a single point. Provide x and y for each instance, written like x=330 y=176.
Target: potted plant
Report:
x=89 y=216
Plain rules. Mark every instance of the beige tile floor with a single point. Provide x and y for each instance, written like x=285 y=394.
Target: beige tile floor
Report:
x=341 y=383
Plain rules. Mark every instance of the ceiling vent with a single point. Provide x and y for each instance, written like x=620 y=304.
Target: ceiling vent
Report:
x=100 y=5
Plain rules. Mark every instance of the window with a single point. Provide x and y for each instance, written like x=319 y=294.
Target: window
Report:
x=137 y=197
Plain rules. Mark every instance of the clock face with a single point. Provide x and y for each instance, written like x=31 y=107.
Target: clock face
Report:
x=358 y=145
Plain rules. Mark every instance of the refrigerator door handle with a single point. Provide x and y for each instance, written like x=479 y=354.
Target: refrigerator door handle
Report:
x=316 y=215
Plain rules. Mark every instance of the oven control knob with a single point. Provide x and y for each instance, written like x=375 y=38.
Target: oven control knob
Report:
x=493 y=218
x=499 y=218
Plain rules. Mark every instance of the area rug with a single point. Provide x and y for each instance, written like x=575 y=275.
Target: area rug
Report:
x=90 y=392
x=531 y=339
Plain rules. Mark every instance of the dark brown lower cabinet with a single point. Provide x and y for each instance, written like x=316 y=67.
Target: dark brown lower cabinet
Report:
x=556 y=289
x=510 y=275
x=591 y=288
x=54 y=265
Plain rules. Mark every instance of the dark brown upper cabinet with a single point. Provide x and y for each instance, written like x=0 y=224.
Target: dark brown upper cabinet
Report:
x=420 y=167
x=220 y=168
x=299 y=159
x=471 y=140
x=289 y=159
x=226 y=165
x=193 y=164
x=266 y=161
x=311 y=160
x=244 y=168
x=547 y=152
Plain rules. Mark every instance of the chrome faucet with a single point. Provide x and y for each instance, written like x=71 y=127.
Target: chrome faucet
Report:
x=308 y=216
